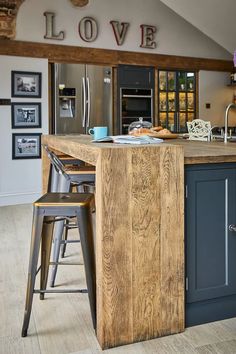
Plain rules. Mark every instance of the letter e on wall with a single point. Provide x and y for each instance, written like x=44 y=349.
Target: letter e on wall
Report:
x=148 y=36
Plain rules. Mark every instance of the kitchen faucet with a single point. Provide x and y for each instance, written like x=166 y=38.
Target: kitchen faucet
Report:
x=231 y=105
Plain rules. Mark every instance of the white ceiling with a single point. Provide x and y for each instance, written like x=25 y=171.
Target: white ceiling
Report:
x=215 y=18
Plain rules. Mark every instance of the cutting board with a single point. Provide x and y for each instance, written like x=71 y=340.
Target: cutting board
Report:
x=164 y=136
x=157 y=135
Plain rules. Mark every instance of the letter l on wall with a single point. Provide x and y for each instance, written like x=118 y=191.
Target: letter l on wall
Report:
x=50 y=27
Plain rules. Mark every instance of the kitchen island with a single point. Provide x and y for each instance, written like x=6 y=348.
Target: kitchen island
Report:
x=139 y=236
x=140 y=231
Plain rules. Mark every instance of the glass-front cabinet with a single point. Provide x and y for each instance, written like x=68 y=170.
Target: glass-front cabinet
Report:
x=176 y=99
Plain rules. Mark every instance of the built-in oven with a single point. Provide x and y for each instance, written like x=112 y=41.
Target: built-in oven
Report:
x=135 y=103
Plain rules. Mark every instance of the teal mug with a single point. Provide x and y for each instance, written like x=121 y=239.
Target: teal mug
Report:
x=98 y=132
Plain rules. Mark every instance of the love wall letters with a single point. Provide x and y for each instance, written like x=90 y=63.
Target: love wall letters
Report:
x=88 y=31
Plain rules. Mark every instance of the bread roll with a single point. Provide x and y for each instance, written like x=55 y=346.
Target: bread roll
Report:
x=157 y=129
x=164 y=132
x=140 y=131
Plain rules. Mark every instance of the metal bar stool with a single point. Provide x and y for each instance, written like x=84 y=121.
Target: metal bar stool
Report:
x=46 y=208
x=63 y=178
x=65 y=162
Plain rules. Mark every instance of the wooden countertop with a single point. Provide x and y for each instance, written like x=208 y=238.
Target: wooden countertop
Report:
x=74 y=145
x=80 y=146
x=195 y=152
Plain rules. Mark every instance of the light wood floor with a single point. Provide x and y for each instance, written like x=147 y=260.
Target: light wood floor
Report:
x=61 y=323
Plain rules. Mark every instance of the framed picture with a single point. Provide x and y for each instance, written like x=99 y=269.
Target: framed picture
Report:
x=25 y=115
x=26 y=84
x=26 y=146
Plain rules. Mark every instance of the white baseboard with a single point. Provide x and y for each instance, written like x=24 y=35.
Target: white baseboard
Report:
x=18 y=198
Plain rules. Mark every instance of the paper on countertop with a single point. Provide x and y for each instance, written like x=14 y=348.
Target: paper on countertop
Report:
x=130 y=139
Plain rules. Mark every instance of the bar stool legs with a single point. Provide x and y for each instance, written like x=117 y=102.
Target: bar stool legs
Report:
x=64 y=186
x=63 y=246
x=87 y=244
x=46 y=246
x=33 y=261
x=59 y=227
x=53 y=179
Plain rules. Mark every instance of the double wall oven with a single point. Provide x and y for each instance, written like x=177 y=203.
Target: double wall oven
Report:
x=135 y=103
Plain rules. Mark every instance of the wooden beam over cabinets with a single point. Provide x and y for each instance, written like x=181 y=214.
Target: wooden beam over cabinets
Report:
x=73 y=54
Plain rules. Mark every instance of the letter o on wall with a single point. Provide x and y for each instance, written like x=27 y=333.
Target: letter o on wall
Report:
x=88 y=29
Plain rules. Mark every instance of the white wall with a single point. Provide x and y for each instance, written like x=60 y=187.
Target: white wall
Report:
x=20 y=180
x=213 y=89
x=175 y=35
x=215 y=18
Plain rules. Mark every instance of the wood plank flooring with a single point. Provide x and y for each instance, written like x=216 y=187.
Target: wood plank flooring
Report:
x=61 y=323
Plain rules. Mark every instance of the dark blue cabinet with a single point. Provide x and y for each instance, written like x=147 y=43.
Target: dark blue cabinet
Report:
x=135 y=76
x=210 y=247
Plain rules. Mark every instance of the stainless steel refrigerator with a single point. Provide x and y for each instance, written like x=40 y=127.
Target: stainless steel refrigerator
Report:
x=82 y=98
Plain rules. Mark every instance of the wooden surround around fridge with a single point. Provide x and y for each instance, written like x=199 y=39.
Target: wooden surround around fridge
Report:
x=139 y=236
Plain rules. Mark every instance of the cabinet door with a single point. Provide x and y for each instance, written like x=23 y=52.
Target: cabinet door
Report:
x=135 y=76
x=211 y=247
x=176 y=99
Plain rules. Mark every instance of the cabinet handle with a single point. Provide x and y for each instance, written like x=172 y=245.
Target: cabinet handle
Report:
x=232 y=227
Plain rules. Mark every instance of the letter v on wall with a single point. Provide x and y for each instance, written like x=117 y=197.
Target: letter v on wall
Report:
x=120 y=30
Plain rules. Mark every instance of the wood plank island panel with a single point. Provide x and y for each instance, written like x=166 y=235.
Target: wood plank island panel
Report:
x=139 y=238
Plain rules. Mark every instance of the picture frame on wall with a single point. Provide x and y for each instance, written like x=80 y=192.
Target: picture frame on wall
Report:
x=26 y=146
x=26 y=115
x=26 y=84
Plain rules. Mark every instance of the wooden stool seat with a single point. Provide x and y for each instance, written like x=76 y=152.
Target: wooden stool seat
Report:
x=64 y=199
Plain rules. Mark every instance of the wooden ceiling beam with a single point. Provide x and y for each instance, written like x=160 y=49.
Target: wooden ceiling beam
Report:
x=73 y=54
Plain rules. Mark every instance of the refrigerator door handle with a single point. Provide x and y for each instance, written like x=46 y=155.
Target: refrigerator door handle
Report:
x=83 y=107
x=89 y=102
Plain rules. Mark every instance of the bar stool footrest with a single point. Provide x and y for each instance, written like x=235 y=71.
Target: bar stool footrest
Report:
x=61 y=291
x=65 y=263
x=69 y=241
